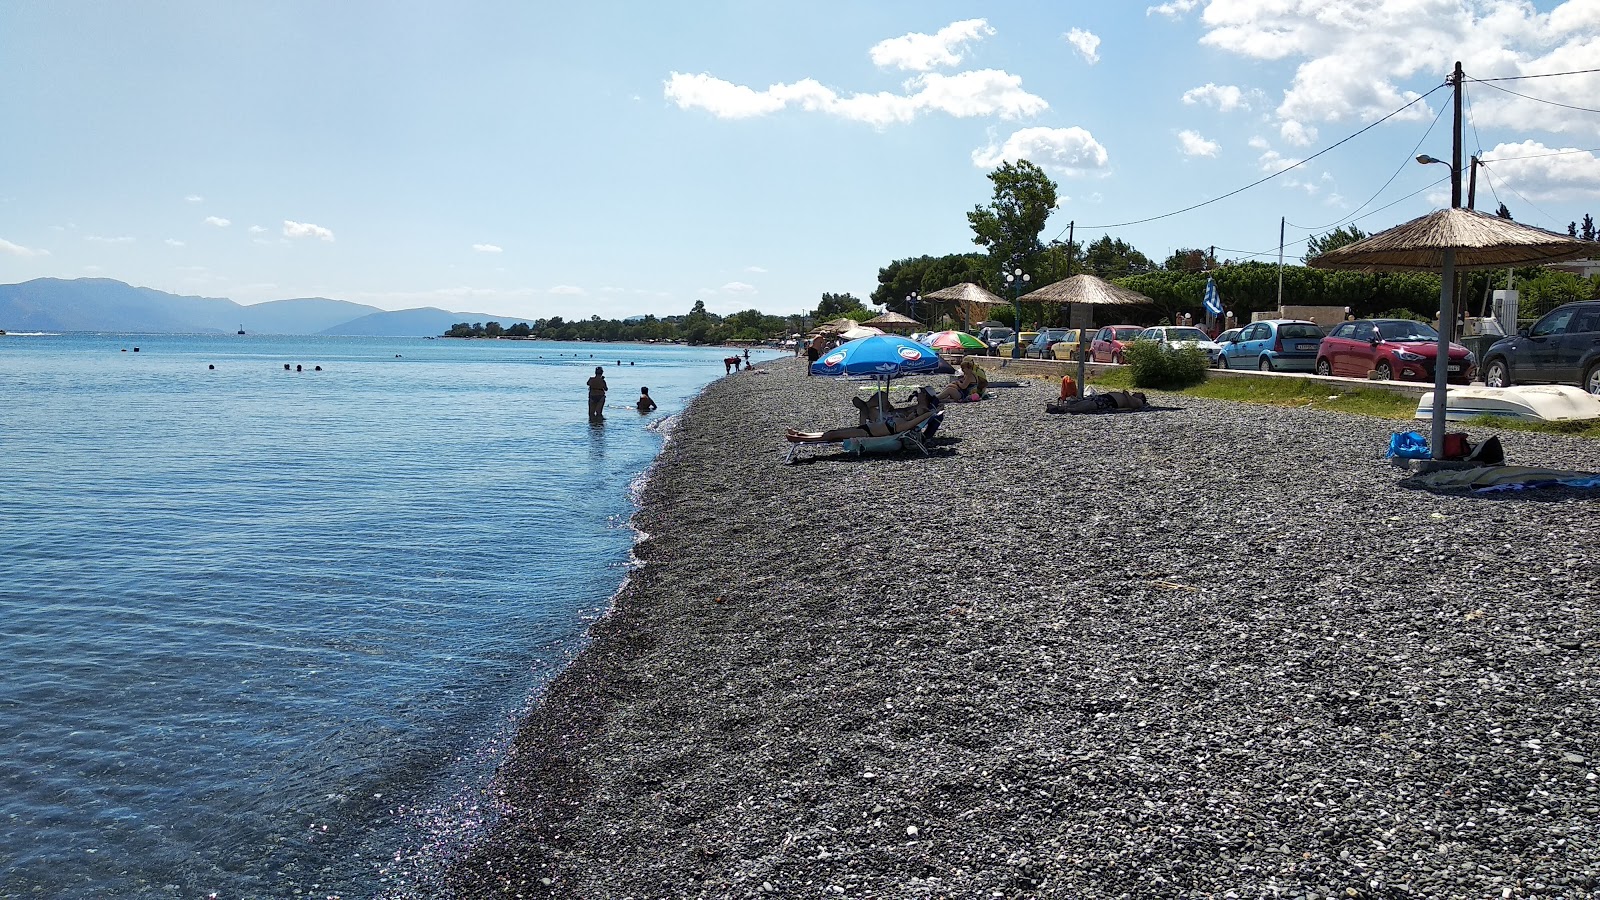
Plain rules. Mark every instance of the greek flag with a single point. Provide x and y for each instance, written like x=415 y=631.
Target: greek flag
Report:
x=1213 y=302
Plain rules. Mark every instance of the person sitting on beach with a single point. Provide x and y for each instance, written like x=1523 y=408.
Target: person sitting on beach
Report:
x=645 y=404
x=885 y=427
x=969 y=385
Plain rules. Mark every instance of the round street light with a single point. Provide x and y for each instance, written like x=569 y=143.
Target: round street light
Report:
x=912 y=299
x=1016 y=279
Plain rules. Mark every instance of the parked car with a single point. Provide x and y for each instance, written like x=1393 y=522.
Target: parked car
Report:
x=1005 y=349
x=1067 y=347
x=1563 y=347
x=1110 y=341
x=1274 y=345
x=1393 y=348
x=1179 y=336
x=1039 y=347
x=1226 y=338
x=993 y=336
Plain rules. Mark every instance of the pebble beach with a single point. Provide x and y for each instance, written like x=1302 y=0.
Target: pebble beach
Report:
x=1205 y=649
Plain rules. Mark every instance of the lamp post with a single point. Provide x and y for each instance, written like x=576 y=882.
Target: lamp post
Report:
x=1016 y=279
x=912 y=299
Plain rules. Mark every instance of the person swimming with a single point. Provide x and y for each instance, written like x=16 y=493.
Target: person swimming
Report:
x=645 y=404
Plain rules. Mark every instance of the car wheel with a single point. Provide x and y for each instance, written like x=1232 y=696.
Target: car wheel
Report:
x=1324 y=367
x=1497 y=374
x=1116 y=358
x=1265 y=365
x=1222 y=361
x=1385 y=371
x=1591 y=379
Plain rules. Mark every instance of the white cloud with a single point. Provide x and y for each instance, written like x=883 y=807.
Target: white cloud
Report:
x=922 y=52
x=981 y=92
x=257 y=229
x=1297 y=133
x=1086 y=43
x=1173 y=9
x=1069 y=151
x=1257 y=142
x=1221 y=97
x=217 y=221
x=174 y=242
x=1530 y=168
x=755 y=270
x=98 y=239
x=738 y=287
x=306 y=229
x=194 y=198
x=1193 y=144
x=568 y=290
x=487 y=248
x=11 y=249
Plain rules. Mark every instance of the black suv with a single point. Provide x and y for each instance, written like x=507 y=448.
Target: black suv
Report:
x=1561 y=348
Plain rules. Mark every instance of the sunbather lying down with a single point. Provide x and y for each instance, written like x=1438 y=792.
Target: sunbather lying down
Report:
x=878 y=428
x=1103 y=401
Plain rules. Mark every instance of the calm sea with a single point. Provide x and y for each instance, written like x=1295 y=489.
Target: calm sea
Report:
x=266 y=633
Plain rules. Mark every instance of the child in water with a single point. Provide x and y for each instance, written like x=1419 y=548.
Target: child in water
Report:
x=645 y=404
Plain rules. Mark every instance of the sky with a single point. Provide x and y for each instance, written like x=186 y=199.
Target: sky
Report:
x=530 y=159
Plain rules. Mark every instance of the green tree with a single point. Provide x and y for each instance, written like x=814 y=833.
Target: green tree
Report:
x=1189 y=260
x=1333 y=240
x=1009 y=226
x=1586 y=230
x=834 y=306
x=1503 y=212
x=1107 y=258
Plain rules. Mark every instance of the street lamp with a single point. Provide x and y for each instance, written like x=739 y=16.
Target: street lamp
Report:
x=912 y=299
x=1016 y=279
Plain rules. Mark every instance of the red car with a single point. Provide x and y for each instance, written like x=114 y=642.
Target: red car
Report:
x=1393 y=348
x=1110 y=341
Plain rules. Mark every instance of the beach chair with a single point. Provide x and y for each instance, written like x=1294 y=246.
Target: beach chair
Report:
x=911 y=439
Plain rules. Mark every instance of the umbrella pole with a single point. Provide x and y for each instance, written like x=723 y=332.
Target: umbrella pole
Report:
x=1441 y=362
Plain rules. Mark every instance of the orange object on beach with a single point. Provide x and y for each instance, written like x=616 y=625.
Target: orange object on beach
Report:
x=1069 y=388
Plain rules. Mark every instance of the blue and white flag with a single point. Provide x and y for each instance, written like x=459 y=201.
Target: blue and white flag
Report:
x=1213 y=302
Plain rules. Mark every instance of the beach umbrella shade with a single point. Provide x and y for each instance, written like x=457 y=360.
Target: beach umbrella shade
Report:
x=882 y=356
x=955 y=340
x=893 y=321
x=1086 y=289
x=857 y=332
x=1444 y=241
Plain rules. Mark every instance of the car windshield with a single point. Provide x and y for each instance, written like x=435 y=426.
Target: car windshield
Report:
x=1125 y=334
x=1187 y=334
x=1053 y=334
x=1299 y=330
x=1407 y=331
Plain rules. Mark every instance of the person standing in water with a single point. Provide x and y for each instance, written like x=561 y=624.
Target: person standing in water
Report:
x=597 y=393
x=645 y=404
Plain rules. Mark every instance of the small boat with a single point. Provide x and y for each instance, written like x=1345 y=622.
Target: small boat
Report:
x=1530 y=403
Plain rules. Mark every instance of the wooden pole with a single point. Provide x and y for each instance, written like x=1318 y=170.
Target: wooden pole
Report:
x=1447 y=315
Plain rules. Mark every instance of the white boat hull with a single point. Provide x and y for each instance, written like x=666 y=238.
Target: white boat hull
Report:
x=1530 y=403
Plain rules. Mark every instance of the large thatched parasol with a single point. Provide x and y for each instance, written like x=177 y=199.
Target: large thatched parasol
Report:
x=1479 y=241
x=893 y=321
x=1443 y=241
x=1087 y=289
x=966 y=298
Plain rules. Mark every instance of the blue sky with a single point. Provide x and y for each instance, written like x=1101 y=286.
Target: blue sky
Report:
x=535 y=159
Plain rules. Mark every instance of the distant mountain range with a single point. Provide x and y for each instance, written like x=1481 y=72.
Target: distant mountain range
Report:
x=102 y=304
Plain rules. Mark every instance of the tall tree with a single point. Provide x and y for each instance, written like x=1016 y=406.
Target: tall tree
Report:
x=1107 y=258
x=1504 y=211
x=834 y=306
x=1586 y=230
x=1010 y=225
x=1187 y=260
x=1333 y=240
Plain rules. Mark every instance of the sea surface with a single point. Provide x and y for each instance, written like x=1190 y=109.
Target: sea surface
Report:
x=267 y=632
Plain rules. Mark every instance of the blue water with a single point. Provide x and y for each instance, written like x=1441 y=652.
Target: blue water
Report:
x=267 y=632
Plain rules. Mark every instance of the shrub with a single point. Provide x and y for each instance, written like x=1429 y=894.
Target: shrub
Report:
x=1154 y=365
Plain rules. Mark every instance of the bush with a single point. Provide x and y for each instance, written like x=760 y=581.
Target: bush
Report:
x=1156 y=366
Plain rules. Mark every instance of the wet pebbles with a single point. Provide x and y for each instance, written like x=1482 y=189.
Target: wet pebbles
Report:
x=1206 y=649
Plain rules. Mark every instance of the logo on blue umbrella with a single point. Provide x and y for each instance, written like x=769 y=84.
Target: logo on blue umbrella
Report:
x=1213 y=302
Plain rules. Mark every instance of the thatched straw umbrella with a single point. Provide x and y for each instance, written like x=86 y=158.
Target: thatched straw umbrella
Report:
x=1444 y=241
x=965 y=298
x=1087 y=290
x=893 y=321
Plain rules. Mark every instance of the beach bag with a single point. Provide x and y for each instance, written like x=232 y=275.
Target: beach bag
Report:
x=1456 y=446
x=1408 y=445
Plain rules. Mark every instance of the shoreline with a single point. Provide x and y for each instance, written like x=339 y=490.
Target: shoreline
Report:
x=860 y=677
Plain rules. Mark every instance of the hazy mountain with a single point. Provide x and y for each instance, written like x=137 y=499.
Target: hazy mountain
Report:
x=102 y=304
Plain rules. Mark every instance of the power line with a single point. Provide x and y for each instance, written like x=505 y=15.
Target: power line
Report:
x=1269 y=177
x=1364 y=216
x=1408 y=161
x=1542 y=100
x=1485 y=162
x=1545 y=75
x=1509 y=187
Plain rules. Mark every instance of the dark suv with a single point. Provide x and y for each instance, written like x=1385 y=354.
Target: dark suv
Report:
x=1561 y=348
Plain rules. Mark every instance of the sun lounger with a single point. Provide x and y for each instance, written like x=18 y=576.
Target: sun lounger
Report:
x=911 y=439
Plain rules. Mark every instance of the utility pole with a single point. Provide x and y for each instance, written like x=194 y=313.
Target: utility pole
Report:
x=1447 y=277
x=1472 y=184
x=1281 y=221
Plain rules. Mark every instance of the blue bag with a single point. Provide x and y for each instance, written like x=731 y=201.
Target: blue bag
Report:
x=1409 y=445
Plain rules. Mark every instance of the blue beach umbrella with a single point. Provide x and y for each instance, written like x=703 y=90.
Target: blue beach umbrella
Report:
x=880 y=356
